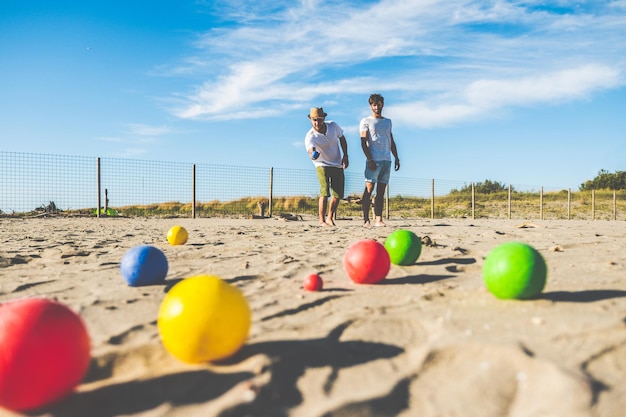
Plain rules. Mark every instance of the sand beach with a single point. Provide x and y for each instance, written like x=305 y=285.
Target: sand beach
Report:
x=429 y=341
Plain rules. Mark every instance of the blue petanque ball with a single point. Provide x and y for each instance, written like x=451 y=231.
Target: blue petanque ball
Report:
x=144 y=265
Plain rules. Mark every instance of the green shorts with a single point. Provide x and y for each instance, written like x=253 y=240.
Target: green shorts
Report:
x=331 y=181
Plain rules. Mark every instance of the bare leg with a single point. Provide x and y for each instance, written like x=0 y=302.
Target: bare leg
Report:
x=323 y=207
x=379 y=200
x=332 y=212
x=366 y=202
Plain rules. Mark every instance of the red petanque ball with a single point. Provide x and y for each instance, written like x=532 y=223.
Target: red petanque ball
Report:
x=313 y=282
x=144 y=265
x=366 y=262
x=44 y=353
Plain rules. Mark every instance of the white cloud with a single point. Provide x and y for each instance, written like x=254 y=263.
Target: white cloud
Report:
x=136 y=141
x=111 y=139
x=618 y=4
x=482 y=97
x=555 y=86
x=451 y=60
x=147 y=130
x=131 y=152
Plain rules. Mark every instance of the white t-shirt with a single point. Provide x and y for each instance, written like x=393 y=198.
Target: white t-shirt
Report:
x=379 y=138
x=326 y=144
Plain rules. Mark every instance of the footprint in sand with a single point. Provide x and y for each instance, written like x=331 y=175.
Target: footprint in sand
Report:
x=480 y=381
x=30 y=285
x=124 y=336
x=508 y=381
x=7 y=261
x=608 y=369
x=76 y=253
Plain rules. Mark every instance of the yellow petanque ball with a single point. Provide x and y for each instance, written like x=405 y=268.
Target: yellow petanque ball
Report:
x=177 y=235
x=203 y=318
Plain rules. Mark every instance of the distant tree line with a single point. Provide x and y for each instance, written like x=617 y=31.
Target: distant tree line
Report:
x=484 y=187
x=605 y=180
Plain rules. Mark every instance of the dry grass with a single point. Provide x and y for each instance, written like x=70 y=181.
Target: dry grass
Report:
x=583 y=205
x=586 y=205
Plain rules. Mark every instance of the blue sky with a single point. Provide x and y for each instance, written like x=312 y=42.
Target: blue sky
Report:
x=521 y=92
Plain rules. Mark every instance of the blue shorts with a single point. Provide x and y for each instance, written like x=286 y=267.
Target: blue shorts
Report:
x=379 y=175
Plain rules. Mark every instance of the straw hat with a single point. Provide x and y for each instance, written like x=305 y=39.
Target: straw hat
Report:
x=316 y=113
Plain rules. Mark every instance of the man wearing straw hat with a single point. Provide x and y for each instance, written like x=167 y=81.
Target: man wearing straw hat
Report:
x=322 y=142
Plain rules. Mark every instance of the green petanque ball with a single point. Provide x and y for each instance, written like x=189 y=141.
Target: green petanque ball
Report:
x=403 y=246
x=515 y=270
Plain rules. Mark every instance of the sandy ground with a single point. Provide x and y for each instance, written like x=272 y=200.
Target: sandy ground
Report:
x=430 y=340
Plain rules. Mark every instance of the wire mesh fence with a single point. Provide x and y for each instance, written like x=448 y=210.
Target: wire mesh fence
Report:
x=35 y=182
x=39 y=184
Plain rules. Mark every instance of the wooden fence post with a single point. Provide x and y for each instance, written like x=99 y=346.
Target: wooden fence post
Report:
x=473 y=203
x=432 y=198
x=541 y=204
x=569 y=204
x=593 y=204
x=99 y=184
x=271 y=191
x=193 y=191
x=509 y=201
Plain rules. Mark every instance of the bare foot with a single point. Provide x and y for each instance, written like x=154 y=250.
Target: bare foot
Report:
x=367 y=224
x=379 y=223
x=330 y=222
x=324 y=224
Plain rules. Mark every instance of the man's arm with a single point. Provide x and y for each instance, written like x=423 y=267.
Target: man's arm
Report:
x=344 y=150
x=366 y=150
x=394 y=151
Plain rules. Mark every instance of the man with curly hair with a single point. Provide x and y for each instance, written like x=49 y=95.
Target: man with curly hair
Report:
x=378 y=145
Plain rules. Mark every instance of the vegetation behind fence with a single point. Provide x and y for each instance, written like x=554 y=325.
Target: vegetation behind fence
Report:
x=38 y=184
